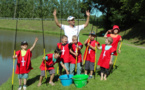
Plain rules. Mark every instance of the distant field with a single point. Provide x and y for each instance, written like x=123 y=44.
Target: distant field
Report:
x=36 y=25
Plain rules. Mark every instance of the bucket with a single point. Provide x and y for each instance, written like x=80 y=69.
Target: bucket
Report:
x=80 y=80
x=66 y=80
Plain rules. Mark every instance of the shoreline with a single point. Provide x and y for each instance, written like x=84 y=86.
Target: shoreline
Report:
x=29 y=30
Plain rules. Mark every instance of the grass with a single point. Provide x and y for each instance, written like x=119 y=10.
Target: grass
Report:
x=36 y=26
x=135 y=34
x=129 y=74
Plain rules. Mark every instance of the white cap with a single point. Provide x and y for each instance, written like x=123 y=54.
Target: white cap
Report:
x=70 y=18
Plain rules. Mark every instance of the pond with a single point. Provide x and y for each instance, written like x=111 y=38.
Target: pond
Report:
x=7 y=48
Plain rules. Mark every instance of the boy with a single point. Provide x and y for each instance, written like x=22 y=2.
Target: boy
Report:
x=51 y=60
x=106 y=57
x=23 y=66
x=75 y=51
x=90 y=56
x=64 y=46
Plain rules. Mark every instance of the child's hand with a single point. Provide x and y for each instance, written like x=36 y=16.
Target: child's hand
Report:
x=14 y=56
x=67 y=72
x=119 y=51
x=43 y=58
x=88 y=13
x=54 y=12
x=78 y=46
x=88 y=44
x=36 y=39
x=96 y=44
x=109 y=31
x=76 y=54
x=89 y=36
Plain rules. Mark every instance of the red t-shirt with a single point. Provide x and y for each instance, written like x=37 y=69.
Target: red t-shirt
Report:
x=105 y=57
x=91 y=53
x=24 y=62
x=72 y=57
x=65 y=52
x=115 y=42
x=49 y=63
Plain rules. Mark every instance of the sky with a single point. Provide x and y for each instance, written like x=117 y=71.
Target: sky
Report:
x=98 y=13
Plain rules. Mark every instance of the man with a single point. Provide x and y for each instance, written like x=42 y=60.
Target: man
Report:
x=71 y=29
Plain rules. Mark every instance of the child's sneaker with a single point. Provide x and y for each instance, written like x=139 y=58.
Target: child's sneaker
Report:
x=24 y=87
x=90 y=77
x=20 y=88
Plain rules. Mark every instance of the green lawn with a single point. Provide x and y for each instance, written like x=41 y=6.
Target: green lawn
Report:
x=36 y=26
x=129 y=74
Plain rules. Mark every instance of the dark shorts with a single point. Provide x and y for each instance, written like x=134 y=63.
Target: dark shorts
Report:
x=104 y=70
x=89 y=65
x=50 y=72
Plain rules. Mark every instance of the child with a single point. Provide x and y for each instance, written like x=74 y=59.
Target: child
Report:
x=51 y=60
x=64 y=46
x=116 y=37
x=73 y=47
x=90 y=56
x=23 y=66
x=106 y=57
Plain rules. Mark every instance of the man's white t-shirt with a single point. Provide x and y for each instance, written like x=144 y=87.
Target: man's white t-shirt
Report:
x=69 y=31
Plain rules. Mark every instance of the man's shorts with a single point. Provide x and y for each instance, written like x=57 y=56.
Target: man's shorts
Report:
x=89 y=65
x=25 y=76
x=50 y=72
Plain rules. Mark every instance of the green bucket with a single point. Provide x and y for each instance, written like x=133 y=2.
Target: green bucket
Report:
x=80 y=80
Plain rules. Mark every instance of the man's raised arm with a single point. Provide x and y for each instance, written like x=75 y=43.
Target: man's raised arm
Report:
x=88 y=18
x=55 y=18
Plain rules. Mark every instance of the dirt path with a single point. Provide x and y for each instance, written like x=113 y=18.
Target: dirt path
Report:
x=126 y=44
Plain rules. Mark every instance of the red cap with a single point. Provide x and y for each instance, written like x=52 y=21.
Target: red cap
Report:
x=116 y=27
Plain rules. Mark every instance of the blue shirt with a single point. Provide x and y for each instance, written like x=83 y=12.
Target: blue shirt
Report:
x=106 y=47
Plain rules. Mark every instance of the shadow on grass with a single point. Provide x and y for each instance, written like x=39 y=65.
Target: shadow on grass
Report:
x=33 y=80
x=137 y=34
x=111 y=70
x=36 y=78
x=100 y=34
x=55 y=79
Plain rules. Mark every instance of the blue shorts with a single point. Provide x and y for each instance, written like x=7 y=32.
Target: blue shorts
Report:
x=25 y=76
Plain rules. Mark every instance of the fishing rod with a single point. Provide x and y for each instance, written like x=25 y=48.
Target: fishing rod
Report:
x=41 y=3
x=119 y=50
x=88 y=42
x=16 y=5
x=78 y=37
x=60 y=34
x=96 y=47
